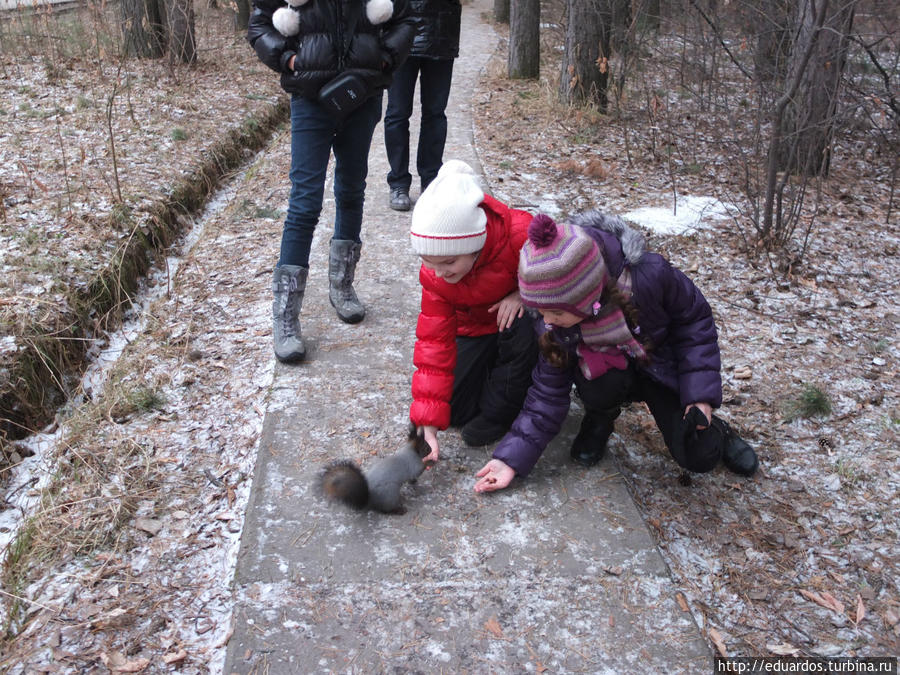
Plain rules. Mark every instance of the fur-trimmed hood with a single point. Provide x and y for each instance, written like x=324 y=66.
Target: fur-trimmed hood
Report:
x=634 y=245
x=287 y=22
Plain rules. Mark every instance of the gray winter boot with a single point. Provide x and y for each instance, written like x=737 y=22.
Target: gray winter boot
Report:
x=341 y=268
x=288 y=285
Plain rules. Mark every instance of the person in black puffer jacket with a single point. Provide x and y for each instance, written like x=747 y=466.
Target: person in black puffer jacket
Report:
x=309 y=43
x=431 y=63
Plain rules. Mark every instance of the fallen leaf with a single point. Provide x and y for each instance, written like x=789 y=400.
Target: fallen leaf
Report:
x=180 y=655
x=743 y=373
x=833 y=602
x=148 y=525
x=682 y=603
x=860 y=609
x=784 y=649
x=825 y=599
x=117 y=663
x=716 y=638
x=493 y=627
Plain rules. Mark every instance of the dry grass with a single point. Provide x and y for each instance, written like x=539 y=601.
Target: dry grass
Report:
x=104 y=178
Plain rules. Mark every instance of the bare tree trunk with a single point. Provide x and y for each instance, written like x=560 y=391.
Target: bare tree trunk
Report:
x=648 y=13
x=182 y=38
x=524 y=39
x=143 y=28
x=810 y=116
x=769 y=20
x=242 y=15
x=501 y=11
x=621 y=13
x=585 y=66
x=771 y=220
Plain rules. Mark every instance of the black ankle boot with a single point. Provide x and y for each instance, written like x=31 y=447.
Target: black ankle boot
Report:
x=589 y=445
x=737 y=455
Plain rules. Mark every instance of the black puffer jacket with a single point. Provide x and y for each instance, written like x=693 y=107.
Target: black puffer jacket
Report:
x=324 y=46
x=437 y=28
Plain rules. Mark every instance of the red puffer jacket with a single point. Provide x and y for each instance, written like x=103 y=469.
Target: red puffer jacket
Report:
x=449 y=310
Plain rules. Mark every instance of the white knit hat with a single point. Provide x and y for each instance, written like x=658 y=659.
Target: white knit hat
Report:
x=448 y=220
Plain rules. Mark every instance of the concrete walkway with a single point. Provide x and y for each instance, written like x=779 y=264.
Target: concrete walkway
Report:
x=557 y=573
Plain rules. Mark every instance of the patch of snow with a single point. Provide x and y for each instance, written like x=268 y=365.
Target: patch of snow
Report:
x=686 y=215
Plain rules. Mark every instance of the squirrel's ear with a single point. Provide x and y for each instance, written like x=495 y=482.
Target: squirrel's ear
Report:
x=286 y=21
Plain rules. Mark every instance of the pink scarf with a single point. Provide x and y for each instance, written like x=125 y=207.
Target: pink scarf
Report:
x=606 y=338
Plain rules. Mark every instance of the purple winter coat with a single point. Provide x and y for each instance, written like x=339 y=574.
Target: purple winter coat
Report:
x=675 y=318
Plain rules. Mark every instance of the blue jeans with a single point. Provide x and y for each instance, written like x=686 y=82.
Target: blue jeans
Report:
x=434 y=77
x=314 y=135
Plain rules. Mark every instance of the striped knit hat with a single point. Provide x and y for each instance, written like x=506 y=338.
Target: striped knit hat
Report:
x=560 y=267
x=448 y=219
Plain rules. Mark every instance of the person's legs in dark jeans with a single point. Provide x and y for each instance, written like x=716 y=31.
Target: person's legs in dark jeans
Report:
x=312 y=133
x=434 y=91
x=396 y=123
x=351 y=166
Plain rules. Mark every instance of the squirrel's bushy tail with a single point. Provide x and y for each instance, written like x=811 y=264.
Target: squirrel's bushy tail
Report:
x=345 y=482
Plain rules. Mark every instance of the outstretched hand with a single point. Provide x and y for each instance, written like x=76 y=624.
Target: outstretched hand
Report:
x=508 y=309
x=495 y=475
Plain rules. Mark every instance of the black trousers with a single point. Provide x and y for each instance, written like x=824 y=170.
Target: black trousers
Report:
x=699 y=452
x=493 y=374
x=434 y=76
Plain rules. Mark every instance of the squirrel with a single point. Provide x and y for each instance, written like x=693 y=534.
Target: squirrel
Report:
x=378 y=487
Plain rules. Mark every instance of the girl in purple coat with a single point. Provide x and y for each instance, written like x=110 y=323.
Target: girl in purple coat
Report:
x=623 y=325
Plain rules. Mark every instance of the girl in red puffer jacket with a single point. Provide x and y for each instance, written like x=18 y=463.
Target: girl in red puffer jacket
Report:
x=474 y=349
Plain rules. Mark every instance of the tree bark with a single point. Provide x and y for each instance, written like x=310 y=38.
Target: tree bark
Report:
x=810 y=116
x=648 y=12
x=585 y=66
x=143 y=28
x=501 y=11
x=182 y=37
x=524 y=39
x=769 y=21
x=242 y=15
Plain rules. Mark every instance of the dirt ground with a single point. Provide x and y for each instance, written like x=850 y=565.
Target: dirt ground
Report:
x=802 y=559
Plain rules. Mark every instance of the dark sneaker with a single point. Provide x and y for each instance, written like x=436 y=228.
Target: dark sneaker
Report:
x=589 y=446
x=400 y=199
x=481 y=431
x=737 y=455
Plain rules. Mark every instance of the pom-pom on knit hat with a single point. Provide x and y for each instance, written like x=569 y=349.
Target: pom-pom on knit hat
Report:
x=448 y=219
x=560 y=267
